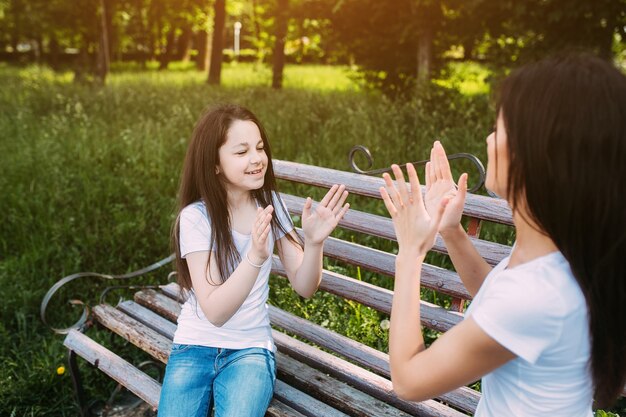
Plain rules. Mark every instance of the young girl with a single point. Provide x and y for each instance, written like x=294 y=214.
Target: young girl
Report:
x=546 y=327
x=224 y=236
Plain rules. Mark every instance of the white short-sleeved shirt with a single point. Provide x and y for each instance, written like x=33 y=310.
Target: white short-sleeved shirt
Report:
x=250 y=325
x=537 y=311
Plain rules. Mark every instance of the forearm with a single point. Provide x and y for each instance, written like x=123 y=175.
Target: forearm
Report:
x=309 y=275
x=471 y=267
x=223 y=302
x=405 y=336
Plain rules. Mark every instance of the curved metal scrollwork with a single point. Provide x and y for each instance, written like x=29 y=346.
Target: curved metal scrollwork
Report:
x=370 y=160
x=85 y=315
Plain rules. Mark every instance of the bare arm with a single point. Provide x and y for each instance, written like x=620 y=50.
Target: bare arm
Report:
x=304 y=268
x=220 y=302
x=418 y=373
x=471 y=267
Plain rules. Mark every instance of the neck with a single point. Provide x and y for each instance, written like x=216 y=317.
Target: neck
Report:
x=531 y=241
x=238 y=198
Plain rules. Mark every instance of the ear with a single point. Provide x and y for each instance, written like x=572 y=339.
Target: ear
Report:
x=217 y=170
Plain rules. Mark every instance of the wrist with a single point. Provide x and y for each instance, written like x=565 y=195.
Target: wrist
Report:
x=410 y=256
x=255 y=258
x=452 y=232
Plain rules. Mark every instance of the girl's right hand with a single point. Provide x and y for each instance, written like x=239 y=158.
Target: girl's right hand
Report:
x=440 y=185
x=259 y=251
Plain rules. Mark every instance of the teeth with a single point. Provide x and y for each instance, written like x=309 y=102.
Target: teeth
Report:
x=254 y=172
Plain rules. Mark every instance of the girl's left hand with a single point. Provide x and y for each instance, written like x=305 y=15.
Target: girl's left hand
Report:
x=415 y=228
x=319 y=223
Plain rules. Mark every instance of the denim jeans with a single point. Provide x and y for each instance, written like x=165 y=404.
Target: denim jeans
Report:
x=238 y=382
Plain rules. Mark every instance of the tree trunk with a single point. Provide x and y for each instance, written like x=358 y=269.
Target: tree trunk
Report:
x=424 y=55
x=215 y=67
x=55 y=50
x=169 y=49
x=279 y=44
x=110 y=29
x=257 y=34
x=204 y=50
x=103 y=53
x=183 y=49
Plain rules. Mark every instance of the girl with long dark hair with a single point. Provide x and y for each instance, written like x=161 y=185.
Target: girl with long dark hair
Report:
x=546 y=327
x=230 y=217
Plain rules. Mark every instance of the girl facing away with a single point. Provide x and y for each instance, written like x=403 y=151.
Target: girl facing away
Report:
x=546 y=327
x=230 y=218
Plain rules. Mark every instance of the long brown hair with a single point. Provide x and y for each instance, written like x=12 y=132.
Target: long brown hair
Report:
x=199 y=182
x=565 y=120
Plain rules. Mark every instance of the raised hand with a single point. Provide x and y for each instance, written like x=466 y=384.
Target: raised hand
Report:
x=259 y=250
x=440 y=185
x=319 y=223
x=415 y=227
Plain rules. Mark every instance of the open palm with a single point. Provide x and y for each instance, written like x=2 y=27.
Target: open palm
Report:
x=415 y=228
x=318 y=223
x=440 y=185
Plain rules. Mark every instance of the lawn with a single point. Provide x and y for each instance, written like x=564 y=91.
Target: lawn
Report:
x=89 y=177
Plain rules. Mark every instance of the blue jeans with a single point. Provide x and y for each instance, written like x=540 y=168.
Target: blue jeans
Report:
x=239 y=382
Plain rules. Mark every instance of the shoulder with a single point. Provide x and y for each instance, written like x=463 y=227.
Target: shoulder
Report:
x=545 y=284
x=525 y=308
x=194 y=214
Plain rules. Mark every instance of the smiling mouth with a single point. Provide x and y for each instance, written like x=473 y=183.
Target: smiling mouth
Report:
x=258 y=171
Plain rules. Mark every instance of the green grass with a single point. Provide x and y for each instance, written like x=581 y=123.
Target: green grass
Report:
x=89 y=177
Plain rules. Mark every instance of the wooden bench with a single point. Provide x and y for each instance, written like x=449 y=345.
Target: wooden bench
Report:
x=320 y=372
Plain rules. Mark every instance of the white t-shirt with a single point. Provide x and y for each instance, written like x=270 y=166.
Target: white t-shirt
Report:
x=537 y=311
x=250 y=325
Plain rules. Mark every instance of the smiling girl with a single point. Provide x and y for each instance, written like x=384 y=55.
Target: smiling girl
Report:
x=230 y=218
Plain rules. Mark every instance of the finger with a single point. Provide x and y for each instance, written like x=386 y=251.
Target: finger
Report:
x=432 y=173
x=433 y=164
x=391 y=208
x=427 y=175
x=416 y=193
x=401 y=183
x=340 y=204
x=306 y=210
x=443 y=165
x=343 y=211
x=329 y=195
x=462 y=188
x=266 y=222
x=263 y=235
x=438 y=216
x=338 y=193
x=391 y=191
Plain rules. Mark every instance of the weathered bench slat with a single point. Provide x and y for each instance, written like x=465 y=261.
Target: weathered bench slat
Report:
x=114 y=366
x=134 y=331
x=278 y=409
x=463 y=398
x=302 y=402
x=376 y=225
x=379 y=387
x=338 y=394
x=433 y=277
x=153 y=320
x=432 y=316
x=478 y=206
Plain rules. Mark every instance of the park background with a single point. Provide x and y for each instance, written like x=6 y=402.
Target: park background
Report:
x=98 y=99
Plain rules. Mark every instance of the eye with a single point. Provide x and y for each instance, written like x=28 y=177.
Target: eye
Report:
x=241 y=153
x=260 y=148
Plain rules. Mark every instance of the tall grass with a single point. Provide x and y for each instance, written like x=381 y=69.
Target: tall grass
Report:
x=88 y=180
